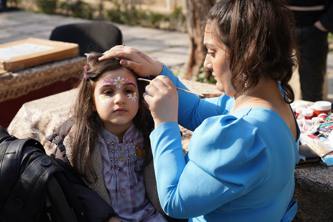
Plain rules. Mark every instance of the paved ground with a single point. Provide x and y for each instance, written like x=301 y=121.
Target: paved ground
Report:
x=170 y=47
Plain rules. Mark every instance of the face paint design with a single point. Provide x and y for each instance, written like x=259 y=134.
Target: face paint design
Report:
x=117 y=81
x=132 y=96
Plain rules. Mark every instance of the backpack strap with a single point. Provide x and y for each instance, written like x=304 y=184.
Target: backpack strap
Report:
x=28 y=195
x=60 y=133
x=10 y=165
x=58 y=136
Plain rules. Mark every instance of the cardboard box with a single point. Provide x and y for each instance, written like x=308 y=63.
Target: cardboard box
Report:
x=30 y=52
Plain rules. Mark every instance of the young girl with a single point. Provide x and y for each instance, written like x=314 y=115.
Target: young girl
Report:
x=108 y=143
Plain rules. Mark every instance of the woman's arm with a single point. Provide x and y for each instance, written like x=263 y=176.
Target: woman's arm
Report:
x=193 y=110
x=221 y=166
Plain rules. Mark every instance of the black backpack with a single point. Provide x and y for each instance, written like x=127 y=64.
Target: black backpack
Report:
x=37 y=187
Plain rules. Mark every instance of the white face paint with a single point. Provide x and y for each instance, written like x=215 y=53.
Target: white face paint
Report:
x=132 y=96
x=118 y=81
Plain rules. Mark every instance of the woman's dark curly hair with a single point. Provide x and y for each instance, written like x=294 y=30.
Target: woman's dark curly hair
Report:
x=260 y=41
x=87 y=122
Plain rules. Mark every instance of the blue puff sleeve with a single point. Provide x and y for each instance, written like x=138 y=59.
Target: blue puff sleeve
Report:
x=227 y=159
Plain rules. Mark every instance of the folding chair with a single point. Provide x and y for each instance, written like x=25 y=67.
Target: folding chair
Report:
x=90 y=36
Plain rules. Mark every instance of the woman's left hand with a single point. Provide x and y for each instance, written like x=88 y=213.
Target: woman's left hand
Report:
x=131 y=58
x=162 y=99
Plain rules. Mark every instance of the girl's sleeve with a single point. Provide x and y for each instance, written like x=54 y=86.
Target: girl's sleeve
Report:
x=192 y=109
x=222 y=165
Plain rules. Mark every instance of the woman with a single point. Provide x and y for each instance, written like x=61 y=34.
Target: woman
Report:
x=243 y=151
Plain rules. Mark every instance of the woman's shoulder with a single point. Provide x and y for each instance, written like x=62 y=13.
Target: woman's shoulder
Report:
x=231 y=123
x=243 y=134
x=228 y=134
x=229 y=143
x=266 y=119
x=242 y=121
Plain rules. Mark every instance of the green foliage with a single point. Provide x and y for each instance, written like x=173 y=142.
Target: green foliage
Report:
x=77 y=9
x=47 y=6
x=134 y=16
x=203 y=76
x=119 y=11
x=13 y=3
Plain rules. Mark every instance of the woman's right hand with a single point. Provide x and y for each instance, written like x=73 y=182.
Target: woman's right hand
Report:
x=135 y=60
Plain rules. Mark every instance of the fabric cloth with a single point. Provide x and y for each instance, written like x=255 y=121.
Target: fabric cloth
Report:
x=313 y=44
x=123 y=164
x=240 y=167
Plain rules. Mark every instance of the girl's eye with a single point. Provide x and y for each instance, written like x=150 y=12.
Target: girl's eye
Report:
x=108 y=92
x=129 y=91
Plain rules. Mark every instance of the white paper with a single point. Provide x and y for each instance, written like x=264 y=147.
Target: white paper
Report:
x=22 y=50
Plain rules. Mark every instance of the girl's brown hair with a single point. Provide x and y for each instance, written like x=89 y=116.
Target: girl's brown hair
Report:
x=87 y=122
x=260 y=40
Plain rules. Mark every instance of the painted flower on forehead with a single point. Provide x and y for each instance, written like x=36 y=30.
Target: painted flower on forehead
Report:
x=118 y=81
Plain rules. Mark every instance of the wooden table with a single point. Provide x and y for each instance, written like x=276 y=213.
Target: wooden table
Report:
x=36 y=82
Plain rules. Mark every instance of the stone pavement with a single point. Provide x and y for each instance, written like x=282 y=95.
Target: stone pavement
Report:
x=170 y=47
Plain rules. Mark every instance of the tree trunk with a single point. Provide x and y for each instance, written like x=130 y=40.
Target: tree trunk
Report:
x=101 y=9
x=197 y=11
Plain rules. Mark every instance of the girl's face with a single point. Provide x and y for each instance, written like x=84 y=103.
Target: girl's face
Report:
x=217 y=60
x=116 y=98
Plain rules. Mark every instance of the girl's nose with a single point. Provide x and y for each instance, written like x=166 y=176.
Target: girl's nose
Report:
x=119 y=98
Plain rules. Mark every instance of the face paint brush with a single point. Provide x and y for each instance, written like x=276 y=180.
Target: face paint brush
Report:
x=185 y=90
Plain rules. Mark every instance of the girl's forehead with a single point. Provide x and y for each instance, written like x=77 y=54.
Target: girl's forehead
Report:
x=119 y=76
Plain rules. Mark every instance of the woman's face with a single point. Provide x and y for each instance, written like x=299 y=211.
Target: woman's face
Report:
x=116 y=98
x=217 y=60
